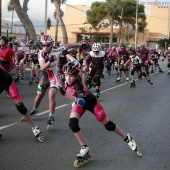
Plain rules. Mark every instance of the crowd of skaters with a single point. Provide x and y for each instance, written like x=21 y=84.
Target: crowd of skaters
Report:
x=80 y=65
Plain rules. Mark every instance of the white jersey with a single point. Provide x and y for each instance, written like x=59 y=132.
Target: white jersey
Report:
x=135 y=60
x=52 y=70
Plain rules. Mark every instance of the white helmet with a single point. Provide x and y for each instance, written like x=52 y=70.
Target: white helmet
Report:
x=46 y=38
x=96 y=47
x=168 y=48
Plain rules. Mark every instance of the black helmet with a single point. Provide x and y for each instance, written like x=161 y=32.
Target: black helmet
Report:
x=15 y=43
x=5 y=39
x=122 y=45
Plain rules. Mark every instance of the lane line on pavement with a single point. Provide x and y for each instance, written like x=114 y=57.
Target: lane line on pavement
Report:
x=3 y=127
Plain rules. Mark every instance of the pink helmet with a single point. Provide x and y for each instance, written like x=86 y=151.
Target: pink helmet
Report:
x=46 y=38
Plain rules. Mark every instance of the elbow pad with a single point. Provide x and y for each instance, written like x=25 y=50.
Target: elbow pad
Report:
x=80 y=101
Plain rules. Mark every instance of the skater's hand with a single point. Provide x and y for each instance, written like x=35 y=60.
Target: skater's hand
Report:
x=51 y=58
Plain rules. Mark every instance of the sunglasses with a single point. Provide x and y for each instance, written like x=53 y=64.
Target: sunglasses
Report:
x=46 y=45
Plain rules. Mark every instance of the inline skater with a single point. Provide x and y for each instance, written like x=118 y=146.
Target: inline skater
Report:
x=84 y=100
x=34 y=50
x=144 y=55
x=136 y=65
x=168 y=64
x=154 y=61
x=123 y=56
x=95 y=60
x=6 y=54
x=20 y=57
x=8 y=84
x=48 y=59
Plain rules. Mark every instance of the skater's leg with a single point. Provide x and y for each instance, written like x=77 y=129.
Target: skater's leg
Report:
x=74 y=126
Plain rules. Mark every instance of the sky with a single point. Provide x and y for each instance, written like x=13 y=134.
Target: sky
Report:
x=37 y=9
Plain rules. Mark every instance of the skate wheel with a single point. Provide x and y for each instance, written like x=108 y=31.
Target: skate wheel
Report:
x=0 y=135
x=139 y=153
x=76 y=164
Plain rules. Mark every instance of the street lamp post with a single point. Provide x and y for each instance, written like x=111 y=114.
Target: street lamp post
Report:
x=136 y=25
x=45 y=18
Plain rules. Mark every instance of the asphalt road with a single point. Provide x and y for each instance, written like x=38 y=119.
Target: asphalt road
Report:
x=143 y=111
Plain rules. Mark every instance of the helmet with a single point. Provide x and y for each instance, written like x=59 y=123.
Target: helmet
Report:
x=71 y=68
x=122 y=45
x=85 y=38
x=142 y=44
x=5 y=39
x=168 y=48
x=46 y=38
x=96 y=47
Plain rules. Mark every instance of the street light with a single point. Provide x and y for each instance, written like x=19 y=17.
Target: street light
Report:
x=45 y=18
x=136 y=26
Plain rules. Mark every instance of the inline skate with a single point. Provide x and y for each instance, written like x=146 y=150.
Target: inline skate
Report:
x=50 y=122
x=30 y=81
x=117 y=80
x=132 y=84
x=132 y=144
x=37 y=133
x=149 y=81
x=32 y=112
x=83 y=157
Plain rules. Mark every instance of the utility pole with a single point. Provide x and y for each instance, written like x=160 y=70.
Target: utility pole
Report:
x=45 y=18
x=136 y=26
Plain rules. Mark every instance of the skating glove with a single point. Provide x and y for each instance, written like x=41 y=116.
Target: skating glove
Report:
x=80 y=101
x=51 y=58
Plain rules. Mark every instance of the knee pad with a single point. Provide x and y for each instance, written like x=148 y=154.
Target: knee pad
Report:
x=21 y=108
x=110 y=126
x=73 y=125
x=98 y=80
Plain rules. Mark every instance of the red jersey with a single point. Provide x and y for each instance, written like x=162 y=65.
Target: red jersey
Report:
x=6 y=58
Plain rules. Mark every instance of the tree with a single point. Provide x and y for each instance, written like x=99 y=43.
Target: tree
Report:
x=164 y=43
x=48 y=23
x=117 y=12
x=11 y=8
x=59 y=15
x=24 y=18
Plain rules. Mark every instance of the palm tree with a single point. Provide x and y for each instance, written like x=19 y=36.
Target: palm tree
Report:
x=24 y=18
x=11 y=8
x=59 y=15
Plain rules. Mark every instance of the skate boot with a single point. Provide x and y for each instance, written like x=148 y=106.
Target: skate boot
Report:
x=37 y=133
x=32 y=112
x=30 y=81
x=89 y=86
x=152 y=71
x=97 y=94
x=132 y=144
x=0 y=135
x=127 y=79
x=83 y=157
x=118 y=79
x=140 y=76
x=50 y=122
x=16 y=80
x=160 y=71
x=168 y=73
x=36 y=81
x=149 y=81
x=21 y=77
x=132 y=84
